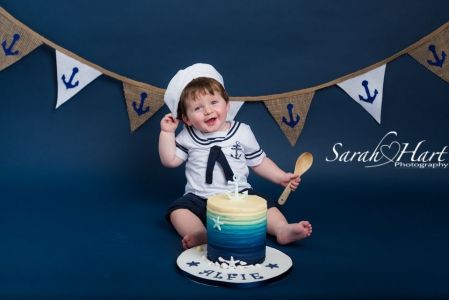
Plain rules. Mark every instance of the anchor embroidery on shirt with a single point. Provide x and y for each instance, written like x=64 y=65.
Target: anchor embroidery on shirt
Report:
x=237 y=148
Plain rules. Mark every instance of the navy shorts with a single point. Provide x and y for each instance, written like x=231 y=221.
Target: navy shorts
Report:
x=197 y=205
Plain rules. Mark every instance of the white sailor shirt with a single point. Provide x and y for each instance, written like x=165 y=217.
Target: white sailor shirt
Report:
x=239 y=146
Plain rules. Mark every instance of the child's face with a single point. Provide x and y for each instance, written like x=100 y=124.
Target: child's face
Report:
x=207 y=112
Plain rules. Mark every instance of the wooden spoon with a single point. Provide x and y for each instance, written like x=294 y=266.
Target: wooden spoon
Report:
x=302 y=164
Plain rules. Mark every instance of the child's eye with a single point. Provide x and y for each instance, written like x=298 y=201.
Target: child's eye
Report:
x=214 y=101
x=197 y=108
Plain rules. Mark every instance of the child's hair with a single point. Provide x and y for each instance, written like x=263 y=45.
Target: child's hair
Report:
x=200 y=85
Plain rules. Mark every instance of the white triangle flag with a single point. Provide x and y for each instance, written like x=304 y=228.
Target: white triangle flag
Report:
x=73 y=76
x=234 y=109
x=367 y=90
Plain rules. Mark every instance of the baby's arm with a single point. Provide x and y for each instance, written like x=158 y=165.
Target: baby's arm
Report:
x=167 y=143
x=269 y=170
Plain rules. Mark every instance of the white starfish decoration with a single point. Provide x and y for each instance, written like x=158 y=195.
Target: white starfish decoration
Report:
x=232 y=264
x=217 y=222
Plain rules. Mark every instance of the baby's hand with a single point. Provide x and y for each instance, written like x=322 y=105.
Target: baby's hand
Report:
x=293 y=179
x=168 y=123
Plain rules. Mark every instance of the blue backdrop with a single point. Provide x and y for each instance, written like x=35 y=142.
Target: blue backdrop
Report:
x=83 y=199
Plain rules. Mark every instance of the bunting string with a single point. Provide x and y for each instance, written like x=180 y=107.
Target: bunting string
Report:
x=289 y=109
x=436 y=33
x=50 y=44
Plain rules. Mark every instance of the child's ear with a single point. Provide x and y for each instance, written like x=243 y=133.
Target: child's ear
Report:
x=186 y=121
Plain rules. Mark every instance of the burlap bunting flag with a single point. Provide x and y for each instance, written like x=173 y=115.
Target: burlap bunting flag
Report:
x=142 y=103
x=16 y=42
x=433 y=54
x=290 y=114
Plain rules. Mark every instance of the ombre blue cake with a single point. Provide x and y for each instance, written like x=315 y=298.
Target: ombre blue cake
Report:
x=236 y=228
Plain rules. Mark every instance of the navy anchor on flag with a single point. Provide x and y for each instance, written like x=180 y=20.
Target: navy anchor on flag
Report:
x=292 y=122
x=69 y=84
x=438 y=61
x=139 y=109
x=369 y=98
x=8 y=50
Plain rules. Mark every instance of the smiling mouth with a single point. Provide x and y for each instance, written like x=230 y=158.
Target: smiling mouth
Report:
x=211 y=121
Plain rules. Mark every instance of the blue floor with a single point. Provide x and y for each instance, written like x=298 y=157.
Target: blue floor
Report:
x=109 y=242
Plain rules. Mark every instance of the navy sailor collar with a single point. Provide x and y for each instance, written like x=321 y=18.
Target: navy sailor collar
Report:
x=213 y=137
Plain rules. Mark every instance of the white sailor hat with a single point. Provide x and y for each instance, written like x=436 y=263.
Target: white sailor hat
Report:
x=183 y=78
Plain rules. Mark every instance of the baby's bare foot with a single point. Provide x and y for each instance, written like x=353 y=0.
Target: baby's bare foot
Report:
x=290 y=233
x=192 y=240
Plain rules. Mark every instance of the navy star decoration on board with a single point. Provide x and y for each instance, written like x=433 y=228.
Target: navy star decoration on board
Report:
x=272 y=266
x=193 y=263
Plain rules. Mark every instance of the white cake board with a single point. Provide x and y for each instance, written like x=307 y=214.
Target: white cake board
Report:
x=194 y=264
